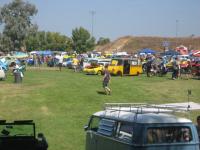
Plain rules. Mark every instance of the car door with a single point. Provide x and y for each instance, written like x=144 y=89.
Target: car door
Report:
x=105 y=134
x=126 y=69
x=91 y=140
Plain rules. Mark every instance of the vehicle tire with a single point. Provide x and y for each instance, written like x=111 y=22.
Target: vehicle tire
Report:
x=119 y=73
x=99 y=73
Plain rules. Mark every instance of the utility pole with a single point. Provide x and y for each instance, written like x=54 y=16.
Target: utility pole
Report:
x=177 y=21
x=92 y=13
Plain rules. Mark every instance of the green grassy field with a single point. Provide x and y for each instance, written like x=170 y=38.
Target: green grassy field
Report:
x=60 y=103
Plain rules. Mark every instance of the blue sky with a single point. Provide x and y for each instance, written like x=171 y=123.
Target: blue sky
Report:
x=117 y=18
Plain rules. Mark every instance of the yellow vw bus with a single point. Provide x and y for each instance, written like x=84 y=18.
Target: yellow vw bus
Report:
x=125 y=66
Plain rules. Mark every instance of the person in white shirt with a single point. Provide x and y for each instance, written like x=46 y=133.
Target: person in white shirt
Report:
x=60 y=62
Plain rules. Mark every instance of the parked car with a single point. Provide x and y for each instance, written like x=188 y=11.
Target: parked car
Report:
x=8 y=59
x=68 y=62
x=125 y=66
x=104 y=62
x=196 y=68
x=140 y=127
x=30 y=62
x=21 y=135
x=4 y=65
x=2 y=74
x=88 y=61
x=94 y=69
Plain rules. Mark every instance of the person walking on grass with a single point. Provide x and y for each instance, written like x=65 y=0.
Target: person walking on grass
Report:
x=176 y=69
x=106 y=80
x=60 y=62
x=75 y=63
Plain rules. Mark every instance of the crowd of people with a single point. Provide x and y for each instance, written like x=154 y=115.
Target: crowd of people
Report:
x=152 y=65
x=179 y=67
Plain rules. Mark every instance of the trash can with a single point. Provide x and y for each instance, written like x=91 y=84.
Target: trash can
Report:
x=18 y=78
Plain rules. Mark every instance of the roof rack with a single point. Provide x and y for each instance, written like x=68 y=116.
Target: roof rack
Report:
x=23 y=121
x=141 y=108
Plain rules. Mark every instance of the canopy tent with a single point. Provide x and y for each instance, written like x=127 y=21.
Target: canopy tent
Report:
x=45 y=53
x=170 y=53
x=147 y=51
x=20 y=55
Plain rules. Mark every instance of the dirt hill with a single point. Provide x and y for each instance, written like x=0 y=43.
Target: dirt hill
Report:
x=133 y=44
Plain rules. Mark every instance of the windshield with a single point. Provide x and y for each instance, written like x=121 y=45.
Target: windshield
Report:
x=17 y=130
x=116 y=62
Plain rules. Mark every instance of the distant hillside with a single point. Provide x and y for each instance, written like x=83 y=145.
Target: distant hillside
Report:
x=133 y=44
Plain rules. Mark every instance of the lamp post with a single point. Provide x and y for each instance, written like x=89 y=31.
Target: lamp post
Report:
x=92 y=13
x=177 y=21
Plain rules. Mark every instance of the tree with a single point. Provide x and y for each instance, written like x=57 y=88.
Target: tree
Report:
x=82 y=41
x=103 y=41
x=16 y=17
x=5 y=43
x=48 y=40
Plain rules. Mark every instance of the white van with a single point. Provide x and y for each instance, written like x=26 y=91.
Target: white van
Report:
x=2 y=74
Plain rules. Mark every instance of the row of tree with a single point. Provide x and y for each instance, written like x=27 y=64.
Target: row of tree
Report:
x=19 y=34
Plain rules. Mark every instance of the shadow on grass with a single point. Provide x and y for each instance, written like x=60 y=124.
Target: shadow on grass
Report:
x=101 y=92
x=196 y=78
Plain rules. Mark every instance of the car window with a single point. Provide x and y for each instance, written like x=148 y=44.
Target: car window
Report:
x=134 y=63
x=120 y=62
x=124 y=131
x=8 y=58
x=101 y=64
x=114 y=62
x=168 y=135
x=94 y=123
x=107 y=127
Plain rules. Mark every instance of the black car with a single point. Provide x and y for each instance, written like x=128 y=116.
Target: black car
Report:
x=21 y=135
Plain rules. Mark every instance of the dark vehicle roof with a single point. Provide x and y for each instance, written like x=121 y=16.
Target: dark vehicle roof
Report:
x=146 y=118
x=17 y=122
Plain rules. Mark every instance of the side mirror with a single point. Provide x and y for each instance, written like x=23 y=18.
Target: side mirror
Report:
x=42 y=142
x=86 y=127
